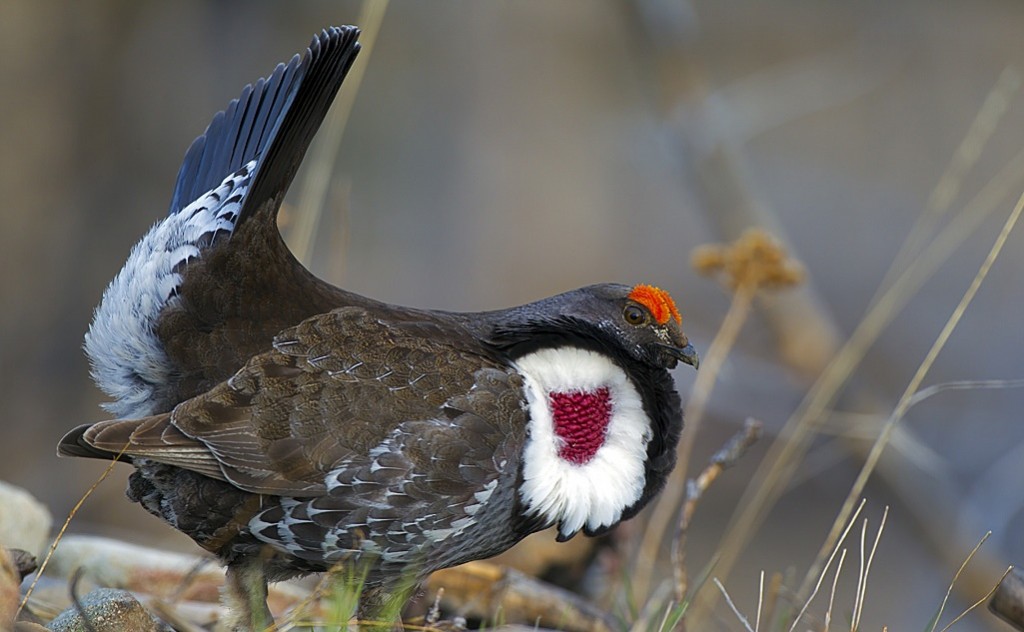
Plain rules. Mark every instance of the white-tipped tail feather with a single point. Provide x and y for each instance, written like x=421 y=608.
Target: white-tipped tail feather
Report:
x=128 y=360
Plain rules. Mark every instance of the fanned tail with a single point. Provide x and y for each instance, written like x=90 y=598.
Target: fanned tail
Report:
x=185 y=269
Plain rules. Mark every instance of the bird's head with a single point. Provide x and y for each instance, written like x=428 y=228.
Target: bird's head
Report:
x=639 y=323
x=649 y=326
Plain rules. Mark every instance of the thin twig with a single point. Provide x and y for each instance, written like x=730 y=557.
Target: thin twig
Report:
x=725 y=458
x=665 y=506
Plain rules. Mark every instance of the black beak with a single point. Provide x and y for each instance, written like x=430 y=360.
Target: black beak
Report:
x=686 y=354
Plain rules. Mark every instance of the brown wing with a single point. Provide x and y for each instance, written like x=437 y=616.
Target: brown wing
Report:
x=333 y=389
x=433 y=493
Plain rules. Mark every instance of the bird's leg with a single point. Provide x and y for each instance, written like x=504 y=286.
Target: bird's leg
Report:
x=380 y=607
x=245 y=598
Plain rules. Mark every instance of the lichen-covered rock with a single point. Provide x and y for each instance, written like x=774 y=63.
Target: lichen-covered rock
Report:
x=107 y=610
x=24 y=521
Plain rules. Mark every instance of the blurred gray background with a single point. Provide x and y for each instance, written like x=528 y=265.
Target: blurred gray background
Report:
x=499 y=152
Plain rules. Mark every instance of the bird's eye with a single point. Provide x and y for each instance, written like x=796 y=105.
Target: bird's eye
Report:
x=634 y=315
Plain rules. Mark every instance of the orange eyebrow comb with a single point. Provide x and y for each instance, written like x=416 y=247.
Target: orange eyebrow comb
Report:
x=657 y=301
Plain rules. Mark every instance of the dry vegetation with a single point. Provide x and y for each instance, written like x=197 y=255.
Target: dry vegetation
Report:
x=495 y=595
x=628 y=583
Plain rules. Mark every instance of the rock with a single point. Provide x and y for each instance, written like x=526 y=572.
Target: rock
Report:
x=24 y=521
x=159 y=573
x=136 y=568
x=50 y=596
x=24 y=562
x=107 y=610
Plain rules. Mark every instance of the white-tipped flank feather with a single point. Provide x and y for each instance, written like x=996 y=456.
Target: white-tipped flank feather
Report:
x=597 y=492
x=128 y=361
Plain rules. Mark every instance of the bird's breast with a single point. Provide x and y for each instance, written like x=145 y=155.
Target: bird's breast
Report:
x=580 y=421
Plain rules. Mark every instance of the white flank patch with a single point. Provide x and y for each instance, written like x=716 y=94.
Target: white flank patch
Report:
x=594 y=493
x=128 y=361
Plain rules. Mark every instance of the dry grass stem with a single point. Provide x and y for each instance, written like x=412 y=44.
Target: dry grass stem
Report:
x=862 y=583
x=64 y=528
x=725 y=458
x=966 y=385
x=657 y=599
x=915 y=382
x=786 y=453
x=940 y=200
x=821 y=577
x=760 y=602
x=324 y=151
x=664 y=618
x=319 y=592
x=978 y=602
x=774 y=590
x=956 y=576
x=860 y=575
x=832 y=593
x=860 y=425
x=732 y=606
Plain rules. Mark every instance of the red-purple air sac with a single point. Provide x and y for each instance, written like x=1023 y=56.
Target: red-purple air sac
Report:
x=581 y=421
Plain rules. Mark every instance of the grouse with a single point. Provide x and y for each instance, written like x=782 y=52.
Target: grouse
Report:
x=289 y=426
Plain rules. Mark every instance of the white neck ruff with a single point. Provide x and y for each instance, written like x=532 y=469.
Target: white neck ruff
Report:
x=593 y=494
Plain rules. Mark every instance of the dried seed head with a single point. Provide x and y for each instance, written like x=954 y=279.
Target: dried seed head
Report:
x=755 y=261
